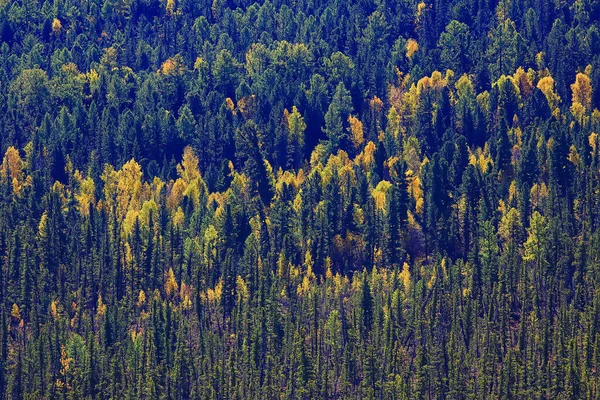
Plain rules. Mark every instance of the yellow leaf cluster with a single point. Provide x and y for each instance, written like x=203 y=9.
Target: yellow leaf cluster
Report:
x=171 y=285
x=188 y=169
x=367 y=158
x=141 y=298
x=43 y=226
x=582 y=92
x=574 y=156
x=376 y=104
x=290 y=179
x=11 y=169
x=405 y=277
x=86 y=195
x=171 y=66
x=100 y=306
x=411 y=48
x=189 y=184
x=481 y=159
x=546 y=85
x=435 y=82
x=214 y=295
x=56 y=25
x=420 y=8
x=524 y=81
x=593 y=141
x=15 y=312
x=170 y=7
x=356 y=131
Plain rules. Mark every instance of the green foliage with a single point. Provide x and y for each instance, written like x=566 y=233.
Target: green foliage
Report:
x=299 y=199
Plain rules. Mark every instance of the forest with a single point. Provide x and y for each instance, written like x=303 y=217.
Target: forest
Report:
x=299 y=199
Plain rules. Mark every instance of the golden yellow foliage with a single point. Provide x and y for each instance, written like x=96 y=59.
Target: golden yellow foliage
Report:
x=15 y=312
x=405 y=277
x=176 y=194
x=593 y=141
x=199 y=63
x=171 y=66
x=579 y=111
x=596 y=117
x=523 y=81
x=546 y=85
x=12 y=169
x=170 y=7
x=411 y=48
x=100 y=306
x=86 y=195
x=129 y=186
x=56 y=25
x=246 y=106
x=582 y=91
x=54 y=309
x=464 y=87
x=367 y=158
x=290 y=179
x=481 y=159
x=304 y=287
x=391 y=162
x=309 y=276
x=171 y=285
x=230 y=105
x=188 y=169
x=434 y=82
x=124 y=192
x=356 y=131
x=376 y=104
x=318 y=155
x=141 y=298
x=214 y=295
x=43 y=226
x=415 y=189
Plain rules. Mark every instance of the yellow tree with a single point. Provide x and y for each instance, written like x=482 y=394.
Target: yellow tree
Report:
x=189 y=184
x=188 y=169
x=11 y=170
x=546 y=85
x=582 y=90
x=356 y=132
x=582 y=96
x=411 y=48
x=85 y=196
